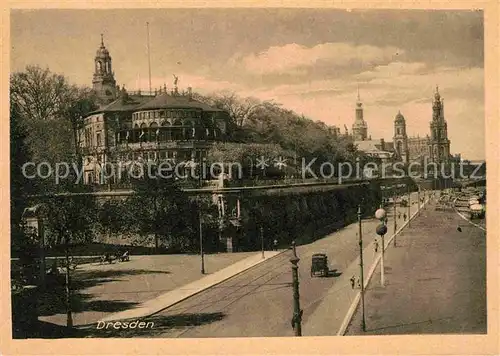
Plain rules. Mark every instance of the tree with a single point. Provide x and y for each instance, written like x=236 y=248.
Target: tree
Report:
x=52 y=110
x=112 y=217
x=71 y=220
x=20 y=186
x=239 y=109
x=158 y=207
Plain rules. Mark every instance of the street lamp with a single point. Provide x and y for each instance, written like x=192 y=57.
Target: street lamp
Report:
x=395 y=219
x=297 y=312
x=409 y=205
x=361 y=269
x=381 y=231
x=201 y=240
x=262 y=240
x=418 y=203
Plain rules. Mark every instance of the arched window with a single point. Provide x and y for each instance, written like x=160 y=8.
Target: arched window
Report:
x=153 y=127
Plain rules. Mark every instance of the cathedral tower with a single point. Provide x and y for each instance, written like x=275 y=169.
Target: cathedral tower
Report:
x=400 y=138
x=103 y=82
x=439 y=145
x=359 y=128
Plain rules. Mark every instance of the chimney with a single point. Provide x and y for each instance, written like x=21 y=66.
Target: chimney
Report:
x=382 y=144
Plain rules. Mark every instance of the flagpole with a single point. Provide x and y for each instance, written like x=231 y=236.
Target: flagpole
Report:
x=149 y=60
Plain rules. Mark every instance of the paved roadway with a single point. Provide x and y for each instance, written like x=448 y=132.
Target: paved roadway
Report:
x=435 y=281
x=259 y=301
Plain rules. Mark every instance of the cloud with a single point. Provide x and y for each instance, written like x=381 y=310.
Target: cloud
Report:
x=296 y=58
x=393 y=69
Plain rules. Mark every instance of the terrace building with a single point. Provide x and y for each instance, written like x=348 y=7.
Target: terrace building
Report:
x=133 y=127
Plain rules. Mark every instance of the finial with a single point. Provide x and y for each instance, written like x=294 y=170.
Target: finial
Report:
x=164 y=88
x=102 y=40
x=358 y=94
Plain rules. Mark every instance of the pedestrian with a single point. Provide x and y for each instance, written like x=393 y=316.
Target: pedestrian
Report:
x=275 y=244
x=353 y=280
x=404 y=216
x=376 y=245
x=399 y=216
x=359 y=283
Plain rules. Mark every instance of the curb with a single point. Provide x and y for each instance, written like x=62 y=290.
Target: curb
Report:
x=82 y=326
x=357 y=298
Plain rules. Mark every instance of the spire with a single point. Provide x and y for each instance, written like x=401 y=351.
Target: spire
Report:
x=102 y=40
x=358 y=94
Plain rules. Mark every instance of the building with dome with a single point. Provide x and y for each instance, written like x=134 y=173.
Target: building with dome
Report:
x=434 y=148
x=133 y=127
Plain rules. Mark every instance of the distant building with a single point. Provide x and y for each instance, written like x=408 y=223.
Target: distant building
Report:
x=133 y=127
x=359 y=128
x=372 y=148
x=405 y=148
x=439 y=145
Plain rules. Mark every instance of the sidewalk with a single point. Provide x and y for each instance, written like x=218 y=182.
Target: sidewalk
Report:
x=332 y=316
x=175 y=296
x=435 y=281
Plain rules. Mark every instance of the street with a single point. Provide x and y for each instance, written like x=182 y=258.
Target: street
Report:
x=258 y=302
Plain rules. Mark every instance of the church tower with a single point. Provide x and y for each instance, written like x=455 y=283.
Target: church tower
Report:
x=103 y=82
x=439 y=145
x=400 y=138
x=359 y=128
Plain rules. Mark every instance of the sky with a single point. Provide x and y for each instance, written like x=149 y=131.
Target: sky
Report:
x=309 y=60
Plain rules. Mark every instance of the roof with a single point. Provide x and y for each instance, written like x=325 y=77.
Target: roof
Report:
x=165 y=100
x=161 y=101
x=368 y=145
x=373 y=147
x=131 y=103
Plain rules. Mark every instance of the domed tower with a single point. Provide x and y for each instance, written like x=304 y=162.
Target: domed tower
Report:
x=359 y=128
x=400 y=138
x=104 y=83
x=439 y=147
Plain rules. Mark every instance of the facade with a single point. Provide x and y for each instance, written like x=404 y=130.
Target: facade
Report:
x=400 y=139
x=405 y=148
x=372 y=148
x=133 y=127
x=359 y=128
x=439 y=144
x=103 y=81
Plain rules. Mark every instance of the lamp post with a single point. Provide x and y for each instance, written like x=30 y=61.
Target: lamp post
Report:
x=395 y=220
x=381 y=231
x=262 y=241
x=418 y=203
x=409 y=205
x=201 y=241
x=297 y=312
x=363 y=322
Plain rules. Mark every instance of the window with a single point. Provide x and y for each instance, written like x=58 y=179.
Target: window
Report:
x=98 y=139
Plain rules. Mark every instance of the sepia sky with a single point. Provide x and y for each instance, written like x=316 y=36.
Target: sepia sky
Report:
x=311 y=61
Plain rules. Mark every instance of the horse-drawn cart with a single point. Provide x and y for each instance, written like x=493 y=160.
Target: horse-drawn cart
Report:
x=319 y=265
